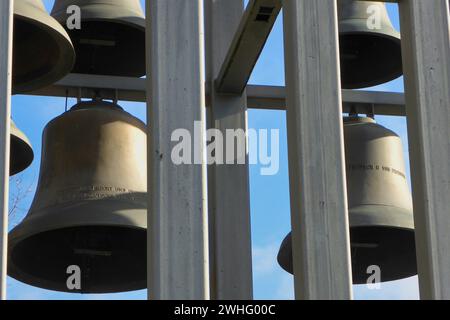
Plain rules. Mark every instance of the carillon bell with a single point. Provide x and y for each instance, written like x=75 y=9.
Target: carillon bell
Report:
x=111 y=40
x=42 y=50
x=90 y=207
x=370 y=46
x=380 y=205
x=21 y=154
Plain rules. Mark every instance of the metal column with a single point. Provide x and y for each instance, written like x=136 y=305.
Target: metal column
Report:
x=6 y=34
x=178 y=219
x=320 y=231
x=426 y=56
x=229 y=194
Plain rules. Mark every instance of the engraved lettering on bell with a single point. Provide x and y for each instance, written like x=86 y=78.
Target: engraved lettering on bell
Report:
x=99 y=192
x=377 y=167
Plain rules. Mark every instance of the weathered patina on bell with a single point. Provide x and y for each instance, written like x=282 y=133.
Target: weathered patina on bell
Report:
x=90 y=207
x=111 y=40
x=42 y=50
x=380 y=205
x=370 y=47
x=21 y=153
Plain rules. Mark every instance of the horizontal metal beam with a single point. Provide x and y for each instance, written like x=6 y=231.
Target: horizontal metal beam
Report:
x=89 y=86
x=381 y=103
x=259 y=97
x=247 y=45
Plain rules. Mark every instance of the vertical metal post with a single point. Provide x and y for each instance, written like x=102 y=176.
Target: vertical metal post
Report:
x=229 y=195
x=426 y=58
x=6 y=34
x=178 y=219
x=321 y=250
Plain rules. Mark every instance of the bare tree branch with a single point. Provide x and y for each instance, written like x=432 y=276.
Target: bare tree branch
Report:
x=19 y=194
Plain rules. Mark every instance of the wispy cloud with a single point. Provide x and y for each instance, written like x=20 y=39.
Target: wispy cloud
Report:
x=264 y=260
x=271 y=282
x=285 y=289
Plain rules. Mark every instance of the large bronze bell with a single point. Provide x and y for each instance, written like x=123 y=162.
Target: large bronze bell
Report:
x=111 y=40
x=370 y=53
x=90 y=208
x=21 y=154
x=380 y=205
x=42 y=50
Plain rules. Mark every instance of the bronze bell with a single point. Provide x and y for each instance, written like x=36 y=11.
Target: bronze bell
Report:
x=21 y=154
x=370 y=52
x=90 y=207
x=380 y=205
x=111 y=40
x=42 y=50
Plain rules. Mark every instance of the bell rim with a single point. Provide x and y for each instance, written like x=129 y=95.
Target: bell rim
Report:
x=284 y=261
x=406 y=264
x=64 y=65
x=391 y=35
x=49 y=285
x=359 y=26
x=119 y=15
x=19 y=274
x=37 y=224
x=24 y=145
x=20 y=141
x=36 y=218
x=135 y=28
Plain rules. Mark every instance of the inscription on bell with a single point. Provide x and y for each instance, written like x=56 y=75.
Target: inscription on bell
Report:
x=374 y=167
x=96 y=193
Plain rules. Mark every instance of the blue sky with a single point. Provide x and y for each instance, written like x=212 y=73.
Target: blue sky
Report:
x=269 y=194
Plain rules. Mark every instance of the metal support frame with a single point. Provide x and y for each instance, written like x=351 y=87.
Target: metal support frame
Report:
x=246 y=47
x=178 y=242
x=258 y=97
x=426 y=52
x=320 y=228
x=178 y=266
x=6 y=34
x=383 y=103
x=228 y=184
